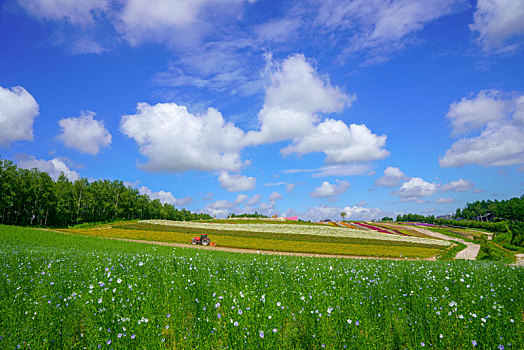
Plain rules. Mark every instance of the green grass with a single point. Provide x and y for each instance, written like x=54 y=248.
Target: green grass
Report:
x=70 y=291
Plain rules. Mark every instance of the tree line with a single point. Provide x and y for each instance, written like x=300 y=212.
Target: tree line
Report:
x=33 y=198
x=510 y=209
x=508 y=217
x=255 y=215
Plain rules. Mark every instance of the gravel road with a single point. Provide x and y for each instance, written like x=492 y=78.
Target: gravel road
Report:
x=470 y=253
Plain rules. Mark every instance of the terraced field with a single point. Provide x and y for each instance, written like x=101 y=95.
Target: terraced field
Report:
x=298 y=238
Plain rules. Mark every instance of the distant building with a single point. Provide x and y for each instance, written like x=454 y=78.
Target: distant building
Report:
x=487 y=217
x=445 y=217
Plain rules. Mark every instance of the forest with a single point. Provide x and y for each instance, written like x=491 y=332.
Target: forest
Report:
x=33 y=198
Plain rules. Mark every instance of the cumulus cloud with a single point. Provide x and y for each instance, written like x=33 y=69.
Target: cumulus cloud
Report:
x=363 y=213
x=340 y=143
x=293 y=99
x=471 y=114
x=54 y=167
x=445 y=200
x=498 y=24
x=275 y=196
x=84 y=133
x=221 y=204
x=392 y=177
x=175 y=140
x=18 y=110
x=236 y=182
x=165 y=197
x=74 y=11
x=499 y=142
x=329 y=190
x=414 y=189
x=460 y=185
x=333 y=213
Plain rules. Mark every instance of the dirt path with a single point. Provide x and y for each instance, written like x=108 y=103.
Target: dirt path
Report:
x=471 y=251
x=520 y=260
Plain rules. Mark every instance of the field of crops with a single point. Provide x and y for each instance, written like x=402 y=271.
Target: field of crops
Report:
x=314 y=239
x=317 y=230
x=63 y=290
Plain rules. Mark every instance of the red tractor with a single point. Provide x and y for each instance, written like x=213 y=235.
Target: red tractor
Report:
x=203 y=240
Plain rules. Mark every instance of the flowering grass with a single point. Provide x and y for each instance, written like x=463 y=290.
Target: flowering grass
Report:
x=311 y=230
x=73 y=291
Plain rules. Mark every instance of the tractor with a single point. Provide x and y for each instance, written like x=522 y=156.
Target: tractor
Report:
x=203 y=240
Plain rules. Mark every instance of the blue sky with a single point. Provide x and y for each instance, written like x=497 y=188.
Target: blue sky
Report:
x=305 y=108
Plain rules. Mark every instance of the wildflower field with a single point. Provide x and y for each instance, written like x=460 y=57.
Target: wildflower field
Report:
x=64 y=290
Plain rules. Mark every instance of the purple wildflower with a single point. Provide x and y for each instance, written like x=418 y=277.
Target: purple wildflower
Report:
x=474 y=343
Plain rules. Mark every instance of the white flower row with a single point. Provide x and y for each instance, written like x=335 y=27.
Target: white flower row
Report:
x=317 y=230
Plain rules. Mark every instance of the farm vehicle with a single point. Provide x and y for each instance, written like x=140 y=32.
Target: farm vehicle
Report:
x=203 y=240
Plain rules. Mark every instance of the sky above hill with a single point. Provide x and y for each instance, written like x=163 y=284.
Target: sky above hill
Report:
x=306 y=108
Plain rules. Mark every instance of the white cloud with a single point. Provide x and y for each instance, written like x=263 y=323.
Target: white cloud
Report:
x=497 y=145
x=329 y=190
x=53 y=166
x=471 y=114
x=333 y=213
x=221 y=204
x=392 y=177
x=460 y=185
x=166 y=197
x=275 y=196
x=499 y=142
x=175 y=140
x=334 y=170
x=445 y=200
x=18 y=110
x=496 y=22
x=381 y=26
x=278 y=30
x=241 y=198
x=254 y=200
x=292 y=101
x=340 y=144
x=271 y=184
x=80 y=12
x=363 y=213
x=342 y=170
x=236 y=182
x=290 y=187
x=84 y=133
x=414 y=189
x=159 y=20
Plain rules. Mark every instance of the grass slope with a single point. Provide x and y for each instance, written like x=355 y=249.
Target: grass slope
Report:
x=75 y=291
